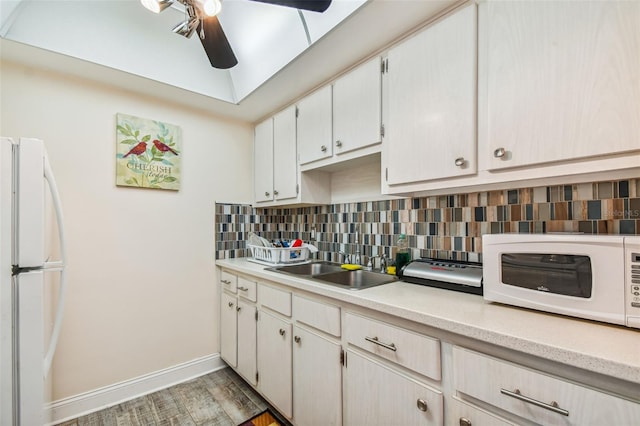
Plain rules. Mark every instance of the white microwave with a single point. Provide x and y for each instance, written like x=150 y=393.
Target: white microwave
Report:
x=596 y=277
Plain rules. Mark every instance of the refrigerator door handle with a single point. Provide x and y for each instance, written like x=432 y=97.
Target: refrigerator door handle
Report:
x=58 y=265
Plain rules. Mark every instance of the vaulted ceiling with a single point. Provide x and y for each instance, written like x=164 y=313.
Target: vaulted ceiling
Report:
x=123 y=43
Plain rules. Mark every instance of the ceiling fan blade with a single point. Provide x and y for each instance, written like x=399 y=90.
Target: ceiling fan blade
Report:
x=215 y=43
x=312 y=5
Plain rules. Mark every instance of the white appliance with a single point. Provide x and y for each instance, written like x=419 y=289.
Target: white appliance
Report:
x=27 y=336
x=595 y=277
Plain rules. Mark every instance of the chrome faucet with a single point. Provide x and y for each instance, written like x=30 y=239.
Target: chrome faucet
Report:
x=383 y=263
x=370 y=263
x=357 y=260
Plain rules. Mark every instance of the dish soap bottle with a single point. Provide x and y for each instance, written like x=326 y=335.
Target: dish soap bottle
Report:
x=402 y=253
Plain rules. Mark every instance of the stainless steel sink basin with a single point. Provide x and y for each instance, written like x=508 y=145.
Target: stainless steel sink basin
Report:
x=356 y=280
x=332 y=273
x=310 y=269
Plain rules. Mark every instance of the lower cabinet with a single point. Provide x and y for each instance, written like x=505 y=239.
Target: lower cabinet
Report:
x=247 y=332
x=320 y=363
x=228 y=329
x=317 y=379
x=378 y=395
x=274 y=361
x=238 y=325
x=536 y=396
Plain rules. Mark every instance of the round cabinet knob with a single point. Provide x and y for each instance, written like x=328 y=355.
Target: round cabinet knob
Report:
x=266 y=194
x=323 y=148
x=282 y=331
x=464 y=421
x=231 y=304
x=275 y=192
x=499 y=153
x=338 y=144
x=422 y=404
x=297 y=339
x=238 y=308
x=460 y=161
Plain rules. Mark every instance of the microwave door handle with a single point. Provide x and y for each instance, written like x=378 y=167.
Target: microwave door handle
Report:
x=60 y=265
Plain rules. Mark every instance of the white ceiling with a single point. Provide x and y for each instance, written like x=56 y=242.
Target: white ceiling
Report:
x=122 y=43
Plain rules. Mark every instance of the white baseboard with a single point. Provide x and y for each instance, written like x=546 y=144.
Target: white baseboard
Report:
x=98 y=399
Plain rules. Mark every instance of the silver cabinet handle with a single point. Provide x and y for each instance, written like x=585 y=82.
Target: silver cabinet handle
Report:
x=226 y=281
x=499 y=153
x=323 y=148
x=460 y=161
x=338 y=144
x=375 y=340
x=275 y=192
x=297 y=339
x=282 y=332
x=243 y=289
x=465 y=422
x=266 y=194
x=231 y=304
x=553 y=406
x=238 y=308
x=422 y=404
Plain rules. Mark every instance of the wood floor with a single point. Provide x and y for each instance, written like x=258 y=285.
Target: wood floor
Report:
x=220 y=398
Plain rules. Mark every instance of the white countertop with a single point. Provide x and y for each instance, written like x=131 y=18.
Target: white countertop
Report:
x=607 y=349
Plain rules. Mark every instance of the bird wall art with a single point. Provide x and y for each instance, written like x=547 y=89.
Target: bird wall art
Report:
x=148 y=153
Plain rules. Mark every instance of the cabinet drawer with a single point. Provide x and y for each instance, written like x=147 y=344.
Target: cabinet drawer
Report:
x=376 y=395
x=228 y=281
x=537 y=396
x=247 y=289
x=464 y=414
x=275 y=299
x=412 y=350
x=318 y=315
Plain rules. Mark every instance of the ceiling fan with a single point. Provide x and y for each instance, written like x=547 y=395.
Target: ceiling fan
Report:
x=200 y=17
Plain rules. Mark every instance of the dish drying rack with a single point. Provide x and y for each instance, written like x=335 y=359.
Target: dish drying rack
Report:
x=274 y=256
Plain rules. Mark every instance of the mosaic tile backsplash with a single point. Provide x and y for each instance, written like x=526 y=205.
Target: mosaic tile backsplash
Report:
x=443 y=227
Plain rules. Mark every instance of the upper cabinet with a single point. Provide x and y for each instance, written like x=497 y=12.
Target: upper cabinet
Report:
x=277 y=177
x=562 y=80
x=342 y=121
x=431 y=121
x=263 y=161
x=275 y=162
x=357 y=108
x=315 y=140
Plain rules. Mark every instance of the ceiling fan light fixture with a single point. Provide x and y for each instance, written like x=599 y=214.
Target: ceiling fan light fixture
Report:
x=186 y=28
x=211 y=7
x=156 y=6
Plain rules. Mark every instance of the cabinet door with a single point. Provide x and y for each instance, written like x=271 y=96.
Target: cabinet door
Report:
x=228 y=329
x=317 y=380
x=431 y=127
x=285 y=158
x=263 y=161
x=247 y=335
x=357 y=108
x=274 y=361
x=315 y=126
x=377 y=395
x=562 y=80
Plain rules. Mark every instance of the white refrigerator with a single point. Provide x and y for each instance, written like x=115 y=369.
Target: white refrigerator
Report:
x=30 y=325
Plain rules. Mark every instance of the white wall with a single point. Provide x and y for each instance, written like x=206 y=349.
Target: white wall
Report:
x=141 y=293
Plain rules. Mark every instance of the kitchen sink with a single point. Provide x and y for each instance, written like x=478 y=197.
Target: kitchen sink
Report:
x=356 y=280
x=314 y=268
x=332 y=273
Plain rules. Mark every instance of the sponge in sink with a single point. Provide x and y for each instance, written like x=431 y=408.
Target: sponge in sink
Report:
x=350 y=267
